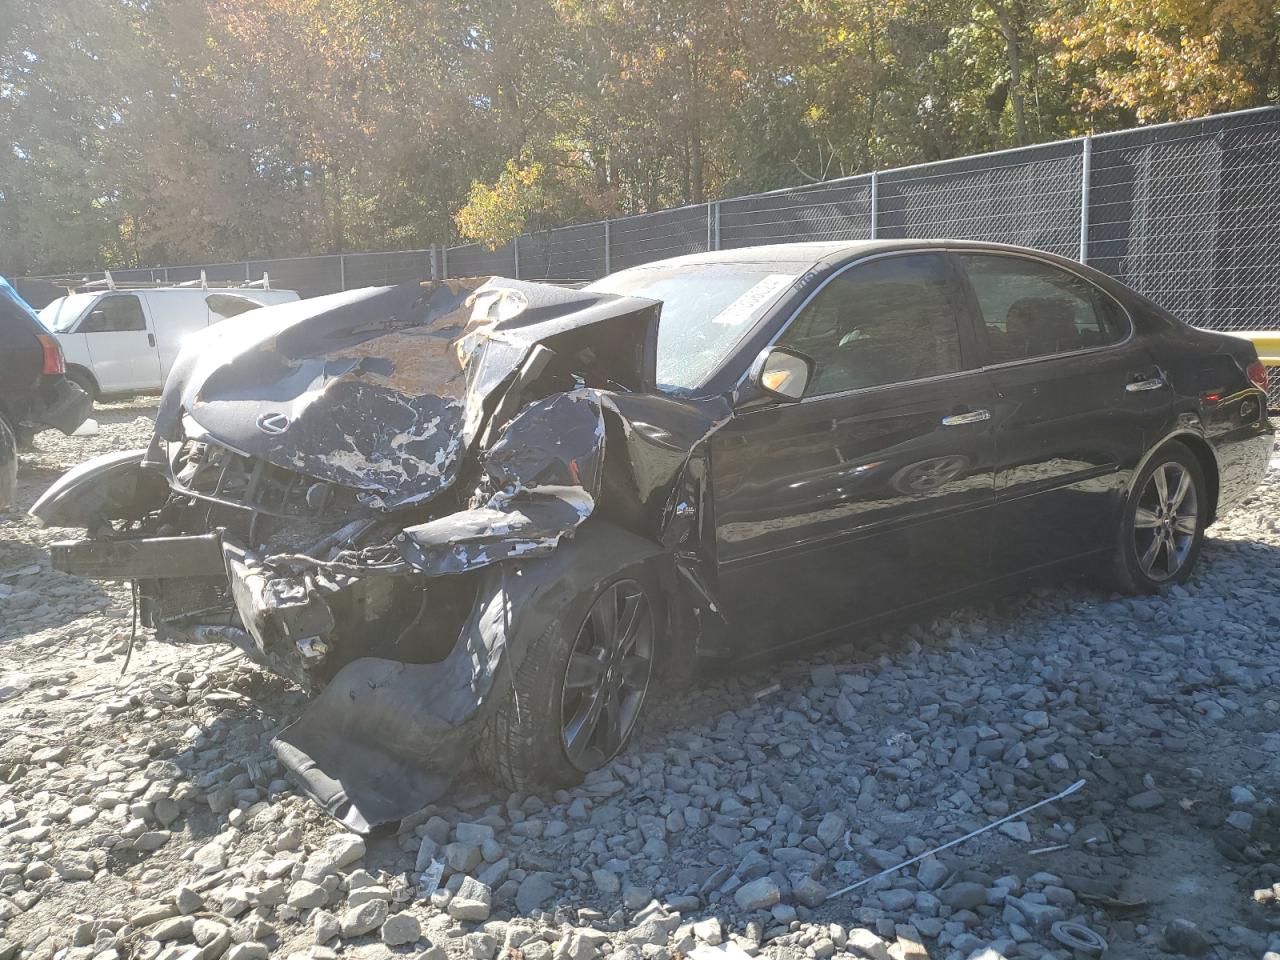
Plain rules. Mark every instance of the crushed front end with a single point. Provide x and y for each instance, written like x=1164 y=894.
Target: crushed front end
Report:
x=348 y=489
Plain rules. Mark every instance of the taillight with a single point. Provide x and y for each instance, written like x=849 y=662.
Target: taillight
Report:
x=53 y=362
x=1257 y=375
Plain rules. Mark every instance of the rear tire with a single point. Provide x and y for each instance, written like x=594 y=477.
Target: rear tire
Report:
x=1162 y=524
x=82 y=380
x=8 y=465
x=576 y=697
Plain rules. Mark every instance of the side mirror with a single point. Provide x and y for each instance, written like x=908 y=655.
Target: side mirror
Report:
x=782 y=373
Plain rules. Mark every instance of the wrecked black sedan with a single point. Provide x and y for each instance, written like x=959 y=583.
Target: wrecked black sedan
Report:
x=484 y=515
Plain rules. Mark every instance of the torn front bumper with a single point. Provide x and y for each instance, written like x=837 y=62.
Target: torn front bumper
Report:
x=285 y=623
x=146 y=558
x=288 y=619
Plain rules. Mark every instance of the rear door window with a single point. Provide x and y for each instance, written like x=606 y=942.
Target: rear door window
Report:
x=1034 y=309
x=113 y=314
x=891 y=320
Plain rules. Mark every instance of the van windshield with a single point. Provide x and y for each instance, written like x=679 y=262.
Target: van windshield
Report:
x=61 y=315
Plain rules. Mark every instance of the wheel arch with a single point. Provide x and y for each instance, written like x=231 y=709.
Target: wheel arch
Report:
x=1202 y=450
x=539 y=590
x=82 y=371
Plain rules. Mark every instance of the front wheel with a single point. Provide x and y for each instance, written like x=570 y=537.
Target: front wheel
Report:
x=1163 y=523
x=576 y=697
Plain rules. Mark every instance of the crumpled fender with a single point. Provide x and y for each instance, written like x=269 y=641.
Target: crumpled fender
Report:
x=545 y=466
x=385 y=738
x=114 y=486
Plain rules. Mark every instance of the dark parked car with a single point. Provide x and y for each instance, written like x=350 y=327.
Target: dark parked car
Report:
x=34 y=394
x=485 y=515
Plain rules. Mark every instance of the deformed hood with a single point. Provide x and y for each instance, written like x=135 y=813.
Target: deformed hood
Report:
x=385 y=389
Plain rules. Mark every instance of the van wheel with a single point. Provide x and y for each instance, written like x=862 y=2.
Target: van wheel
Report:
x=8 y=465
x=82 y=380
x=575 y=699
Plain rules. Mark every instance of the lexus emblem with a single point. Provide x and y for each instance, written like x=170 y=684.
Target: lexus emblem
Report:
x=273 y=423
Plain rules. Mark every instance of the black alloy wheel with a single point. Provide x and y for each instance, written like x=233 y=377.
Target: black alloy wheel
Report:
x=575 y=698
x=607 y=675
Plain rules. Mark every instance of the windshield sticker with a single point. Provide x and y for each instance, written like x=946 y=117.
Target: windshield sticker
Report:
x=745 y=307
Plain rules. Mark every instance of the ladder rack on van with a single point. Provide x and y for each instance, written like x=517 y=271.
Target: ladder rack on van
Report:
x=108 y=282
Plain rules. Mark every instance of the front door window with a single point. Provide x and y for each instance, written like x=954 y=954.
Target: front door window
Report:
x=114 y=314
x=891 y=320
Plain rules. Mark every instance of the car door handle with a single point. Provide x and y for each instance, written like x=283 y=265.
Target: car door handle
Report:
x=151 y=339
x=970 y=416
x=1138 y=386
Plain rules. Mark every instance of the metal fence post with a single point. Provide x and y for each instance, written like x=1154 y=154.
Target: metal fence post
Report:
x=717 y=231
x=1086 y=165
x=515 y=255
x=247 y=278
x=435 y=268
x=711 y=226
x=444 y=262
x=607 y=270
x=875 y=202
x=342 y=271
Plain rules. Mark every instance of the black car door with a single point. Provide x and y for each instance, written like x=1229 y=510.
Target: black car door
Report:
x=873 y=492
x=1078 y=400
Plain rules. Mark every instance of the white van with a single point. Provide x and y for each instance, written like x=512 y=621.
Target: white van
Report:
x=125 y=340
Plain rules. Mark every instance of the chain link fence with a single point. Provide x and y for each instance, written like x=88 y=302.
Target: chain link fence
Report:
x=1187 y=213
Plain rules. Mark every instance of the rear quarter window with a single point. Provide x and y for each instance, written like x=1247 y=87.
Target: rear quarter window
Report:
x=1030 y=308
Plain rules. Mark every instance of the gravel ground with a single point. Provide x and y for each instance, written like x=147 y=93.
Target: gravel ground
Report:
x=143 y=815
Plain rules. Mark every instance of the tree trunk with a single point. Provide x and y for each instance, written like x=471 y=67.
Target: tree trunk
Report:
x=873 y=98
x=695 y=166
x=686 y=180
x=1012 y=47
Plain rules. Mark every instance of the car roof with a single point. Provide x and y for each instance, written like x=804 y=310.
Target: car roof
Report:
x=810 y=253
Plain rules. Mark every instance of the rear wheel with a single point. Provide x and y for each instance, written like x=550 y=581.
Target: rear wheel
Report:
x=1163 y=523
x=82 y=380
x=577 y=695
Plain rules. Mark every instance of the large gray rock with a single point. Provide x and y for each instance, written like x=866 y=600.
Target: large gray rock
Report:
x=365 y=918
x=932 y=873
x=831 y=829
x=1147 y=800
x=536 y=890
x=305 y=895
x=759 y=894
x=472 y=901
x=1039 y=916
x=1186 y=939
x=964 y=895
x=400 y=929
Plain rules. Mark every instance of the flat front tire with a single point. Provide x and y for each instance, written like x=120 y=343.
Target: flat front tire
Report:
x=1162 y=525
x=576 y=697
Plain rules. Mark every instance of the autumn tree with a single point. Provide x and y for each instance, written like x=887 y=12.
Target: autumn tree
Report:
x=201 y=130
x=1153 y=60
